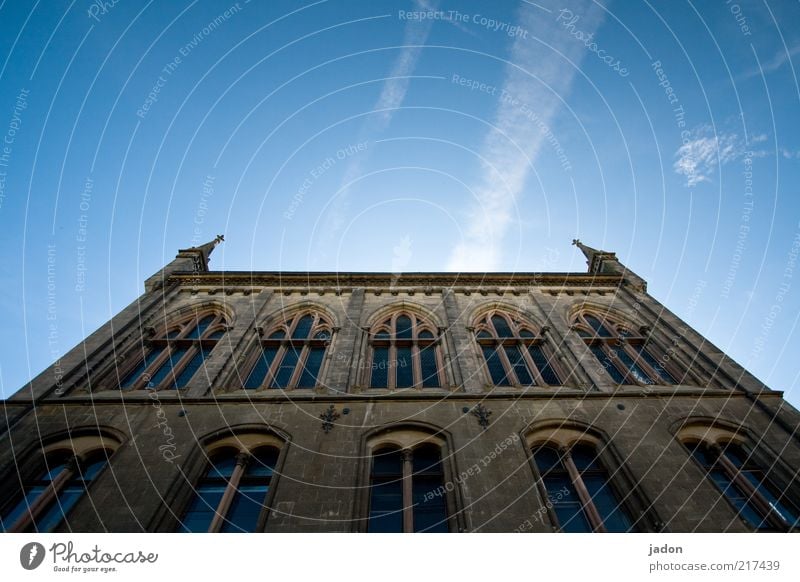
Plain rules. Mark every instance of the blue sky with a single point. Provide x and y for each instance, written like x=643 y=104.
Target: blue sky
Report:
x=401 y=136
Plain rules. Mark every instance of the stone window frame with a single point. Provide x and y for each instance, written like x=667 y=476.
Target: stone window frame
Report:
x=519 y=323
x=408 y=437
x=245 y=441
x=179 y=325
x=323 y=323
x=563 y=435
x=387 y=323
x=622 y=336
x=76 y=450
x=716 y=435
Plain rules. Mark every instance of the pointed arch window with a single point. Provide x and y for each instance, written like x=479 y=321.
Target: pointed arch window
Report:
x=578 y=487
x=51 y=490
x=405 y=353
x=626 y=356
x=291 y=354
x=513 y=353
x=232 y=494
x=173 y=356
x=747 y=486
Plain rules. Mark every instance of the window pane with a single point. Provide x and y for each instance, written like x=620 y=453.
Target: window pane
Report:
x=303 y=327
x=526 y=333
x=189 y=370
x=425 y=334
x=518 y=365
x=20 y=507
x=245 y=508
x=665 y=376
x=380 y=363
x=278 y=334
x=203 y=508
x=386 y=495
x=547 y=372
x=501 y=326
x=496 y=369
x=609 y=366
x=201 y=327
x=430 y=368
x=286 y=368
x=598 y=327
x=54 y=514
x=405 y=371
x=608 y=506
x=566 y=503
x=260 y=369
x=131 y=378
x=634 y=368
x=403 y=327
x=166 y=369
x=547 y=458
x=262 y=465
x=308 y=378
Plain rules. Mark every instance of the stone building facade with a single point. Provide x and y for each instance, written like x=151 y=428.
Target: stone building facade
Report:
x=354 y=402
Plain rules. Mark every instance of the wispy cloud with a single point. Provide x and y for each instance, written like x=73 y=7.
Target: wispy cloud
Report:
x=780 y=59
x=699 y=158
x=392 y=95
x=542 y=69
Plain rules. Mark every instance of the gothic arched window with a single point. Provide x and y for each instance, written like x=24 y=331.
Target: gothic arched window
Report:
x=624 y=354
x=407 y=490
x=405 y=353
x=291 y=353
x=514 y=354
x=170 y=358
x=231 y=496
x=578 y=487
x=747 y=486
x=52 y=489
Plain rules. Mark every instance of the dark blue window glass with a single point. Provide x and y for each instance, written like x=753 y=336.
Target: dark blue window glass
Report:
x=501 y=326
x=308 y=378
x=260 y=369
x=430 y=367
x=542 y=363
x=151 y=356
x=286 y=367
x=303 y=327
x=201 y=327
x=428 y=492
x=595 y=479
x=189 y=369
x=518 y=365
x=665 y=376
x=403 y=329
x=608 y=364
x=380 y=364
x=386 y=492
x=495 y=365
x=166 y=370
x=404 y=368
x=600 y=329
x=560 y=491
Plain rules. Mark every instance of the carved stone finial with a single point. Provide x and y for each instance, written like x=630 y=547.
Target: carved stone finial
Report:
x=576 y=241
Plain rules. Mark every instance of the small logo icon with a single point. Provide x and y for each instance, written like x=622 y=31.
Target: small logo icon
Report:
x=31 y=555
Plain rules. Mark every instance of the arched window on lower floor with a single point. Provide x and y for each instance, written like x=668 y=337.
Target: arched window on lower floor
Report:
x=579 y=490
x=746 y=485
x=50 y=490
x=407 y=490
x=233 y=491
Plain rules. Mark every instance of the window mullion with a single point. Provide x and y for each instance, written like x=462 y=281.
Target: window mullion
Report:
x=300 y=365
x=272 y=372
x=391 y=367
x=416 y=365
x=586 y=499
x=530 y=364
x=510 y=373
x=242 y=459
x=408 y=491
